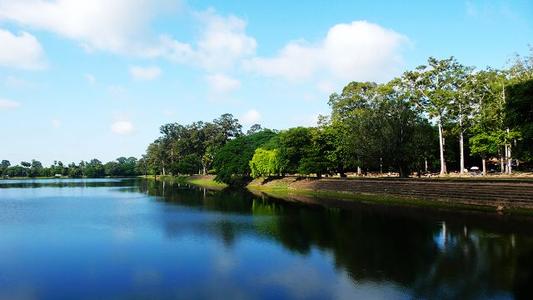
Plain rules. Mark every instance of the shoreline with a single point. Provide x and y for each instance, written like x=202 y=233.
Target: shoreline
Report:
x=513 y=196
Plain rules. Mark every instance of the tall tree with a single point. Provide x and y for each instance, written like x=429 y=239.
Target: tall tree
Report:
x=434 y=90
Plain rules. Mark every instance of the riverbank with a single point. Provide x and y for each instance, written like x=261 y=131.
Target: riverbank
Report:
x=198 y=180
x=510 y=196
x=503 y=195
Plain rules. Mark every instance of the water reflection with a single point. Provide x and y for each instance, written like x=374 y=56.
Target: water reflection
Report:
x=65 y=182
x=427 y=257
x=156 y=240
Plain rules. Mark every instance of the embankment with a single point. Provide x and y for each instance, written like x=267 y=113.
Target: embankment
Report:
x=484 y=194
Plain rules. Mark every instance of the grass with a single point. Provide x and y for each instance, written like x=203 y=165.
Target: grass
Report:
x=206 y=182
x=203 y=181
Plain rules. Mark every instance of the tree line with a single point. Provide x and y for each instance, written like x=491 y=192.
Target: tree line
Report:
x=438 y=115
x=121 y=167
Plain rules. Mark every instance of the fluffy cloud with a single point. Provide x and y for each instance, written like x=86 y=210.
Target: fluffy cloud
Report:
x=356 y=51
x=250 y=117
x=122 y=127
x=96 y=24
x=122 y=26
x=21 y=51
x=221 y=44
x=145 y=73
x=223 y=41
x=8 y=104
x=221 y=83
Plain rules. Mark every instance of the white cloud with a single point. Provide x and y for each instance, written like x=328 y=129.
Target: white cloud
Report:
x=251 y=117
x=221 y=44
x=97 y=24
x=356 y=51
x=91 y=79
x=122 y=127
x=144 y=73
x=297 y=60
x=56 y=123
x=123 y=27
x=223 y=41
x=8 y=104
x=221 y=83
x=21 y=51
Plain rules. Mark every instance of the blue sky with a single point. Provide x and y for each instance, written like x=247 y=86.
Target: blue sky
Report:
x=83 y=79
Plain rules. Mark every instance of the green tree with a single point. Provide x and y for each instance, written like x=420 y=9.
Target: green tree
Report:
x=36 y=168
x=189 y=164
x=232 y=160
x=94 y=169
x=4 y=165
x=293 y=144
x=519 y=110
x=434 y=90
x=265 y=163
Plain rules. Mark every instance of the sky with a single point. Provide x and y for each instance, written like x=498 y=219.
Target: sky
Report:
x=95 y=79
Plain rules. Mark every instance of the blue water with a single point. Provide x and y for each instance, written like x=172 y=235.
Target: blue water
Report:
x=131 y=239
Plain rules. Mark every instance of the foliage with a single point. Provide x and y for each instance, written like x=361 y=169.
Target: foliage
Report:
x=232 y=160
x=265 y=163
x=398 y=126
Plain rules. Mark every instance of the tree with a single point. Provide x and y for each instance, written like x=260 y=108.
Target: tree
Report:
x=36 y=168
x=434 y=90
x=4 y=165
x=189 y=164
x=484 y=144
x=254 y=129
x=293 y=144
x=94 y=169
x=265 y=163
x=155 y=158
x=520 y=116
x=112 y=169
x=74 y=171
x=232 y=160
x=347 y=113
x=463 y=107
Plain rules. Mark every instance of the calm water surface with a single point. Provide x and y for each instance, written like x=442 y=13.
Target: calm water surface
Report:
x=131 y=239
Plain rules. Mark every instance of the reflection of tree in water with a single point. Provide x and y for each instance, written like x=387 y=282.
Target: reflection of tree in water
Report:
x=474 y=263
x=448 y=260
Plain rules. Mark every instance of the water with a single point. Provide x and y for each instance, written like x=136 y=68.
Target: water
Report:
x=131 y=239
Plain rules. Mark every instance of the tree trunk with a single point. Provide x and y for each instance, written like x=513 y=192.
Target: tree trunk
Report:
x=484 y=163
x=509 y=160
x=461 y=150
x=441 y=151
x=502 y=164
x=425 y=165
x=403 y=171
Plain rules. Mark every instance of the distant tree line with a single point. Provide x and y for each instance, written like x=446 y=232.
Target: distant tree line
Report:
x=440 y=116
x=121 y=167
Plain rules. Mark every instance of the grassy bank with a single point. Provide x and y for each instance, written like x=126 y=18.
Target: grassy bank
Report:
x=198 y=180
